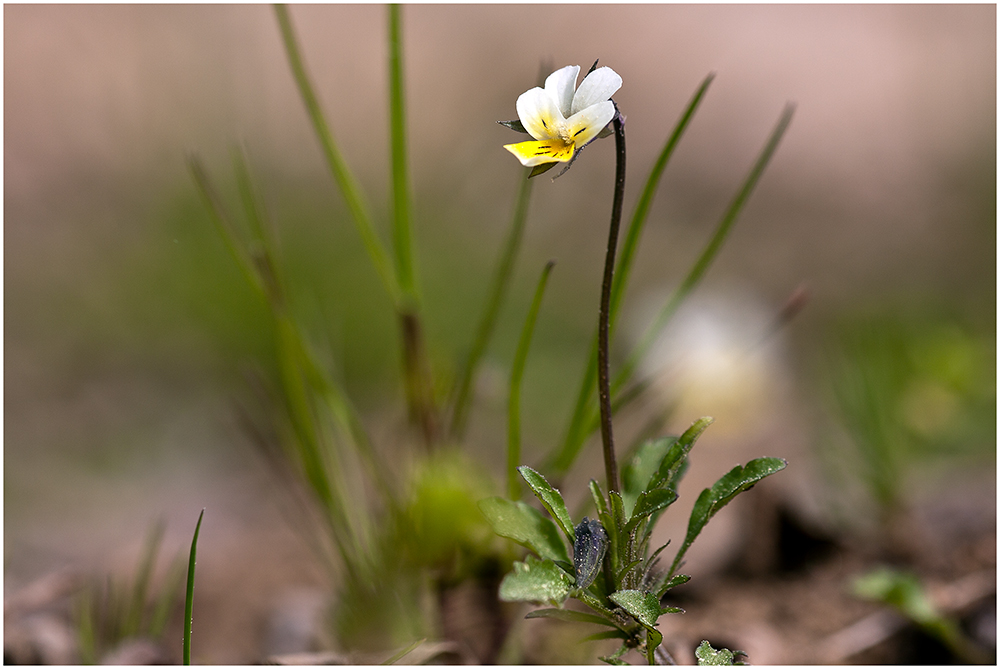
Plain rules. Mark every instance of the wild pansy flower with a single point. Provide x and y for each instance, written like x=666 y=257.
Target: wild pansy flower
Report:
x=563 y=118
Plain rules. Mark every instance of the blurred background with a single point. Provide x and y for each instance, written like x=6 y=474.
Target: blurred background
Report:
x=128 y=326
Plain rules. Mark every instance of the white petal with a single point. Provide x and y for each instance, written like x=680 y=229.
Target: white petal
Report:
x=584 y=125
x=561 y=84
x=598 y=86
x=539 y=114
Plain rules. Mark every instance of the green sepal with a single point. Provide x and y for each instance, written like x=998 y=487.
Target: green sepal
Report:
x=536 y=581
x=541 y=169
x=514 y=125
x=550 y=498
x=525 y=525
x=570 y=616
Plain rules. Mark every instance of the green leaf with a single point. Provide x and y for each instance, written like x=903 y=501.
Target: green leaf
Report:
x=901 y=590
x=189 y=593
x=709 y=253
x=400 y=654
x=610 y=634
x=599 y=500
x=674 y=463
x=711 y=500
x=535 y=581
x=709 y=657
x=570 y=616
x=617 y=510
x=649 y=503
x=614 y=658
x=550 y=499
x=679 y=579
x=653 y=639
x=637 y=474
x=525 y=525
x=643 y=606
x=514 y=407
x=624 y=570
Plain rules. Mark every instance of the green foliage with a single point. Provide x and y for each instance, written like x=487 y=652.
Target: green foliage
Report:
x=521 y=523
x=536 y=581
x=909 y=388
x=709 y=657
x=626 y=594
x=904 y=592
x=108 y=614
x=400 y=535
x=711 y=500
x=550 y=499
x=189 y=591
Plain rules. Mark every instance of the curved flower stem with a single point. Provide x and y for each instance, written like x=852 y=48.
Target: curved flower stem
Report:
x=603 y=373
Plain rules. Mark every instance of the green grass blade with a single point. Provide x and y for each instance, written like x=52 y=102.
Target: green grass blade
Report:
x=631 y=242
x=137 y=602
x=495 y=300
x=396 y=657
x=516 y=374
x=342 y=175
x=401 y=230
x=224 y=223
x=711 y=250
x=189 y=592
x=579 y=427
x=85 y=612
x=167 y=597
x=252 y=204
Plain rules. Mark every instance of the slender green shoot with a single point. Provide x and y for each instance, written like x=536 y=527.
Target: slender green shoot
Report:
x=711 y=250
x=396 y=657
x=224 y=223
x=516 y=374
x=132 y=622
x=189 y=592
x=401 y=230
x=303 y=379
x=495 y=300
x=342 y=175
x=576 y=434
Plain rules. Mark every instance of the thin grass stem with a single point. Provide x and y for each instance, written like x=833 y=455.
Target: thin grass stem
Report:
x=189 y=592
x=516 y=374
x=342 y=175
x=711 y=250
x=401 y=229
x=495 y=300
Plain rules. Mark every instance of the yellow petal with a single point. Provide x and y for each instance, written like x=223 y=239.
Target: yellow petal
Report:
x=539 y=153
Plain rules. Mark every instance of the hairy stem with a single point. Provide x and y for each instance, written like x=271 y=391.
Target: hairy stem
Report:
x=603 y=373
